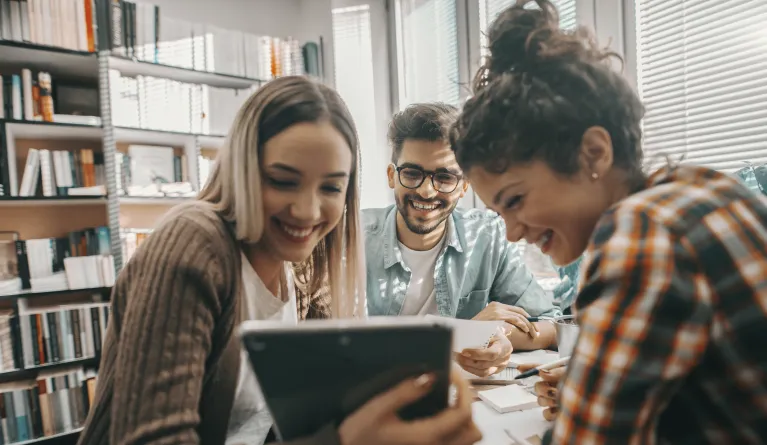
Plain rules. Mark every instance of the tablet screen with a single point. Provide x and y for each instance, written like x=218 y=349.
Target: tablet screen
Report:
x=310 y=378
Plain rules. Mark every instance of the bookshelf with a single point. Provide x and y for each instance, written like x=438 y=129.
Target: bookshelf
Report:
x=145 y=88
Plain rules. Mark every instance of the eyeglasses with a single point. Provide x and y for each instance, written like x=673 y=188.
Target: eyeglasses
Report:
x=412 y=178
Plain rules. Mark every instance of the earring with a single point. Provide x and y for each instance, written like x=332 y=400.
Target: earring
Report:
x=595 y=176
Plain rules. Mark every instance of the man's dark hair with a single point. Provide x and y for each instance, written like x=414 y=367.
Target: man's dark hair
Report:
x=423 y=122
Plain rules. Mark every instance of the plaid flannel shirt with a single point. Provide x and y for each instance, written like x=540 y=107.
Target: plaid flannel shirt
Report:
x=673 y=317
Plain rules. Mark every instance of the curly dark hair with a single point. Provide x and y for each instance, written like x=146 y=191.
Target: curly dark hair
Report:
x=538 y=92
x=422 y=121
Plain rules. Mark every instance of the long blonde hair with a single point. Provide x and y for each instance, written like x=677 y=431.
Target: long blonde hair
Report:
x=234 y=185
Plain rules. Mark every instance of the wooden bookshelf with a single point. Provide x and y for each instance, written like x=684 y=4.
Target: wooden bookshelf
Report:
x=56 y=293
x=131 y=67
x=62 y=62
x=41 y=217
x=32 y=372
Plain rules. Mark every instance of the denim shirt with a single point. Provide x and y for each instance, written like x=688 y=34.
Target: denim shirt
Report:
x=475 y=266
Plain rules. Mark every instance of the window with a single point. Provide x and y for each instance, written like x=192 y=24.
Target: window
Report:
x=427 y=51
x=490 y=9
x=701 y=74
x=353 y=50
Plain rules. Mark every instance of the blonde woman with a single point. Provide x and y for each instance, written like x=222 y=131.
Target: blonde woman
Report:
x=284 y=190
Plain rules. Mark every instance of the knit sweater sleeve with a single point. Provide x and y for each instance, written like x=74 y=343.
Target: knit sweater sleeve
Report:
x=174 y=289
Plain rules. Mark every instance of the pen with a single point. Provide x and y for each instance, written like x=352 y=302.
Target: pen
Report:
x=535 y=319
x=546 y=367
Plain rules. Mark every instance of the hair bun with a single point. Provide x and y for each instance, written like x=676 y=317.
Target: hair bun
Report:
x=523 y=38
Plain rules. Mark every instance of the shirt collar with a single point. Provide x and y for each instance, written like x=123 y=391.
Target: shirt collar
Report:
x=392 y=253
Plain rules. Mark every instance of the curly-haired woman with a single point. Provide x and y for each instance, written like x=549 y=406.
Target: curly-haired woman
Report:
x=673 y=304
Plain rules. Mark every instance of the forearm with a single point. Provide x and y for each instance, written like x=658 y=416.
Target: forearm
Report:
x=546 y=338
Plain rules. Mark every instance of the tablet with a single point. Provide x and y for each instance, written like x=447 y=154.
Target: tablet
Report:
x=321 y=371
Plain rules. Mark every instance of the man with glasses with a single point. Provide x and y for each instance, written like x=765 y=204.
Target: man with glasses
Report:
x=424 y=256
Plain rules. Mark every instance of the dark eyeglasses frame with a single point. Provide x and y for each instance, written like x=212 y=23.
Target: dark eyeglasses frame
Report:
x=426 y=173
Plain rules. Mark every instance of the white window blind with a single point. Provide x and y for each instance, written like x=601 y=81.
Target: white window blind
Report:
x=702 y=74
x=427 y=49
x=490 y=9
x=353 y=56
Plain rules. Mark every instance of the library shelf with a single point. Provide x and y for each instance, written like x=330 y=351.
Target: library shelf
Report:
x=60 y=62
x=36 y=201
x=22 y=129
x=133 y=67
x=32 y=372
x=152 y=200
x=147 y=136
x=51 y=438
x=214 y=142
x=28 y=293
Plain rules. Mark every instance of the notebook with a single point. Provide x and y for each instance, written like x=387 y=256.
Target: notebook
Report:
x=469 y=334
x=507 y=399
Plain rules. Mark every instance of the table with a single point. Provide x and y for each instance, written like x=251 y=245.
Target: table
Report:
x=493 y=424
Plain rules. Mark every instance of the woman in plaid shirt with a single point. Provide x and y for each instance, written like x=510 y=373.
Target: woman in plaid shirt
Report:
x=673 y=300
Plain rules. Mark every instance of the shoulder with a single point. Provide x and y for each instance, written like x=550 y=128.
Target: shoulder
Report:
x=480 y=220
x=373 y=219
x=681 y=198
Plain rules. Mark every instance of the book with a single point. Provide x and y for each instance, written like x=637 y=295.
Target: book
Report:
x=510 y=398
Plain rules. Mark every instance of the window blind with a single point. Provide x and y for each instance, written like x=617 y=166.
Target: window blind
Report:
x=353 y=57
x=701 y=68
x=428 y=48
x=490 y=9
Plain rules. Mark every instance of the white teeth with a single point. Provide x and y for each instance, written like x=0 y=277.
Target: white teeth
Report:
x=296 y=233
x=543 y=239
x=420 y=206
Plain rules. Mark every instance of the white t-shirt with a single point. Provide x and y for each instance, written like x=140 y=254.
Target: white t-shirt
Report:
x=249 y=421
x=420 y=298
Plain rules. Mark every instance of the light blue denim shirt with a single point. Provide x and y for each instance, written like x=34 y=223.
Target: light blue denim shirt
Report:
x=476 y=266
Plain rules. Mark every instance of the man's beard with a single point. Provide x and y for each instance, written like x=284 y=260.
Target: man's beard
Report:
x=423 y=227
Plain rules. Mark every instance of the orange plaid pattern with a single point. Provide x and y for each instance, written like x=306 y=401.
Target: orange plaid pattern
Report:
x=673 y=317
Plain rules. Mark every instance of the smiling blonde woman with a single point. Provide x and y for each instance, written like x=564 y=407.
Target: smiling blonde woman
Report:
x=284 y=191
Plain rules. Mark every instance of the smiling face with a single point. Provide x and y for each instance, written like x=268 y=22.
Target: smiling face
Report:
x=305 y=172
x=555 y=213
x=425 y=209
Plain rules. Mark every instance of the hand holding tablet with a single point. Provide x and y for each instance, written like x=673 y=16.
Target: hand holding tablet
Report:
x=377 y=380
x=377 y=422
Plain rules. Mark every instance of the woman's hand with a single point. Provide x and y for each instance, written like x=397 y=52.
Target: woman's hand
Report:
x=487 y=361
x=547 y=389
x=377 y=422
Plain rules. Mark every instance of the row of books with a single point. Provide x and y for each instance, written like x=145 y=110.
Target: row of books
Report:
x=63 y=173
x=161 y=104
x=52 y=404
x=65 y=23
x=81 y=260
x=54 y=334
x=141 y=31
x=27 y=96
